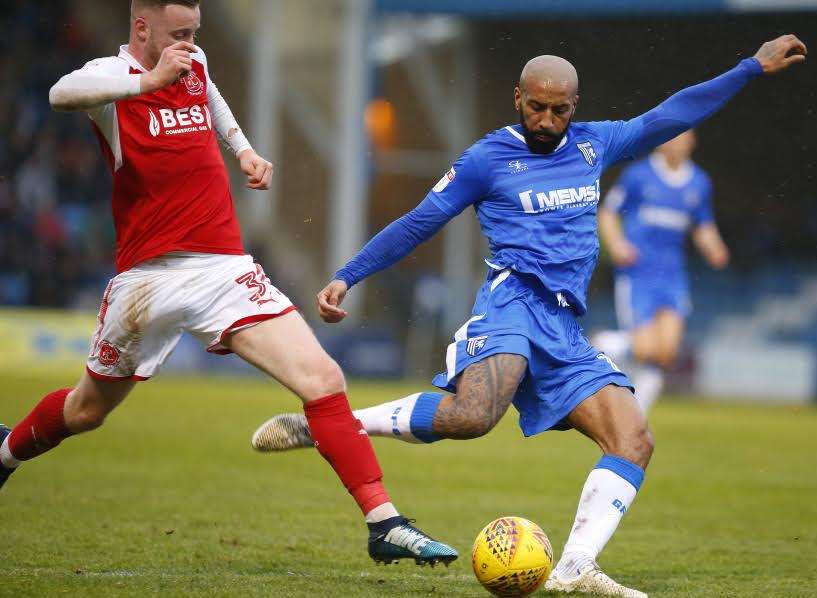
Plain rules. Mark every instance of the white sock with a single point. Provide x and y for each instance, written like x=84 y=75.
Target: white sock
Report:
x=392 y=419
x=607 y=494
x=381 y=513
x=616 y=344
x=648 y=381
x=6 y=458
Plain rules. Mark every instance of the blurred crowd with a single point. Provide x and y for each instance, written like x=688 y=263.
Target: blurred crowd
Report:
x=56 y=234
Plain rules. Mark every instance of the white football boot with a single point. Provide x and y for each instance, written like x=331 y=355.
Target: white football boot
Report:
x=283 y=433
x=590 y=580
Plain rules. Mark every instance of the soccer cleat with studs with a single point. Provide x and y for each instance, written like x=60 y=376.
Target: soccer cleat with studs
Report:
x=5 y=472
x=396 y=538
x=591 y=580
x=283 y=433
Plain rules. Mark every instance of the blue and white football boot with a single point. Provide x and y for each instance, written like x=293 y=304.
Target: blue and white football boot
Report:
x=395 y=538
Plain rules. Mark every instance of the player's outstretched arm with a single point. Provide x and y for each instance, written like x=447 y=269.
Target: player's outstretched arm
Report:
x=389 y=246
x=689 y=107
x=459 y=188
x=95 y=85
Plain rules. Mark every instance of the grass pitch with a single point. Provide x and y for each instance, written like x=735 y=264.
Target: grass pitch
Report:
x=168 y=498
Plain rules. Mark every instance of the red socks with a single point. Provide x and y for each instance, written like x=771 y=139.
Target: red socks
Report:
x=42 y=429
x=341 y=440
x=338 y=436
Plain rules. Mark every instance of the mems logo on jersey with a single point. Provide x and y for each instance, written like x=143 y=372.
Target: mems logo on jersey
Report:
x=190 y=119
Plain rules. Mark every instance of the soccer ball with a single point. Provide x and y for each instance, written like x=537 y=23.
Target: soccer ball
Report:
x=512 y=557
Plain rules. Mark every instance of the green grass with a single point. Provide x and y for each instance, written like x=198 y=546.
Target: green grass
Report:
x=168 y=498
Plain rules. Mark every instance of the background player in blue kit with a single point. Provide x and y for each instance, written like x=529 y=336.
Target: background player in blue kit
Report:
x=644 y=222
x=535 y=189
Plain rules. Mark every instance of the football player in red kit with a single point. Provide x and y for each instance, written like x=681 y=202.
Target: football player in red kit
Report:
x=182 y=267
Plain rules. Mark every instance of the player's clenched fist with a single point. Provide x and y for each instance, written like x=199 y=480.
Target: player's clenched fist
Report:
x=257 y=169
x=779 y=54
x=174 y=62
x=329 y=300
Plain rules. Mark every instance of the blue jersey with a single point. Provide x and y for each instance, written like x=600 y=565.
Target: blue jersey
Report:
x=657 y=208
x=538 y=211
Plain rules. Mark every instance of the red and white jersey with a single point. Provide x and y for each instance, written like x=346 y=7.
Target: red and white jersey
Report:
x=171 y=190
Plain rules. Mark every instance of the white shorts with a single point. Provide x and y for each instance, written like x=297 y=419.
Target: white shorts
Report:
x=146 y=309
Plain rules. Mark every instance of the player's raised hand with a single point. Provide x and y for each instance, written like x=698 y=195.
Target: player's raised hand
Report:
x=329 y=300
x=779 y=54
x=257 y=169
x=174 y=62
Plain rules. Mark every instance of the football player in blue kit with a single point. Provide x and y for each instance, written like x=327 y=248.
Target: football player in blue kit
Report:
x=535 y=188
x=644 y=222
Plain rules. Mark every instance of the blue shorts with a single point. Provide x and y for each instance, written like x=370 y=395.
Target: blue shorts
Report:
x=640 y=296
x=515 y=314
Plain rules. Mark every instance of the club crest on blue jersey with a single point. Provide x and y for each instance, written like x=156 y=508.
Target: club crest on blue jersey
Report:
x=588 y=152
x=475 y=345
x=517 y=166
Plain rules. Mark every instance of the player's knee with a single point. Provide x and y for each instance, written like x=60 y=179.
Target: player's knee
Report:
x=325 y=378
x=84 y=418
x=474 y=425
x=643 y=348
x=665 y=357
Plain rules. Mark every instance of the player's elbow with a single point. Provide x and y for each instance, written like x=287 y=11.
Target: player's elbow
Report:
x=61 y=100
x=57 y=99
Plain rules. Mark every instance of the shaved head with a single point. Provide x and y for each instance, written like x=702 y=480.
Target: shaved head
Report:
x=550 y=72
x=546 y=99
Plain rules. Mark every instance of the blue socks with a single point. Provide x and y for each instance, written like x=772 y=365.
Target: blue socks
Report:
x=422 y=417
x=623 y=468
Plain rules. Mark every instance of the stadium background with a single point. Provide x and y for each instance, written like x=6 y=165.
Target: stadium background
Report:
x=362 y=105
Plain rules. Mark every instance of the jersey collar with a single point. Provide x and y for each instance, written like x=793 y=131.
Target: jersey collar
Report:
x=671 y=178
x=516 y=131
x=129 y=58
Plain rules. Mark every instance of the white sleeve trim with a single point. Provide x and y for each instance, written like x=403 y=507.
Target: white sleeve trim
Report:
x=223 y=119
x=96 y=84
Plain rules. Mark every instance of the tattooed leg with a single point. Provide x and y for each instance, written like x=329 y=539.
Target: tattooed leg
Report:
x=484 y=392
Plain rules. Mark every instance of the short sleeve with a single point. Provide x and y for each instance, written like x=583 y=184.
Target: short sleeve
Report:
x=463 y=184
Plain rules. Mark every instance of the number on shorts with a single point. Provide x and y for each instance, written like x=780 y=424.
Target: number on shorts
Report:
x=257 y=281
